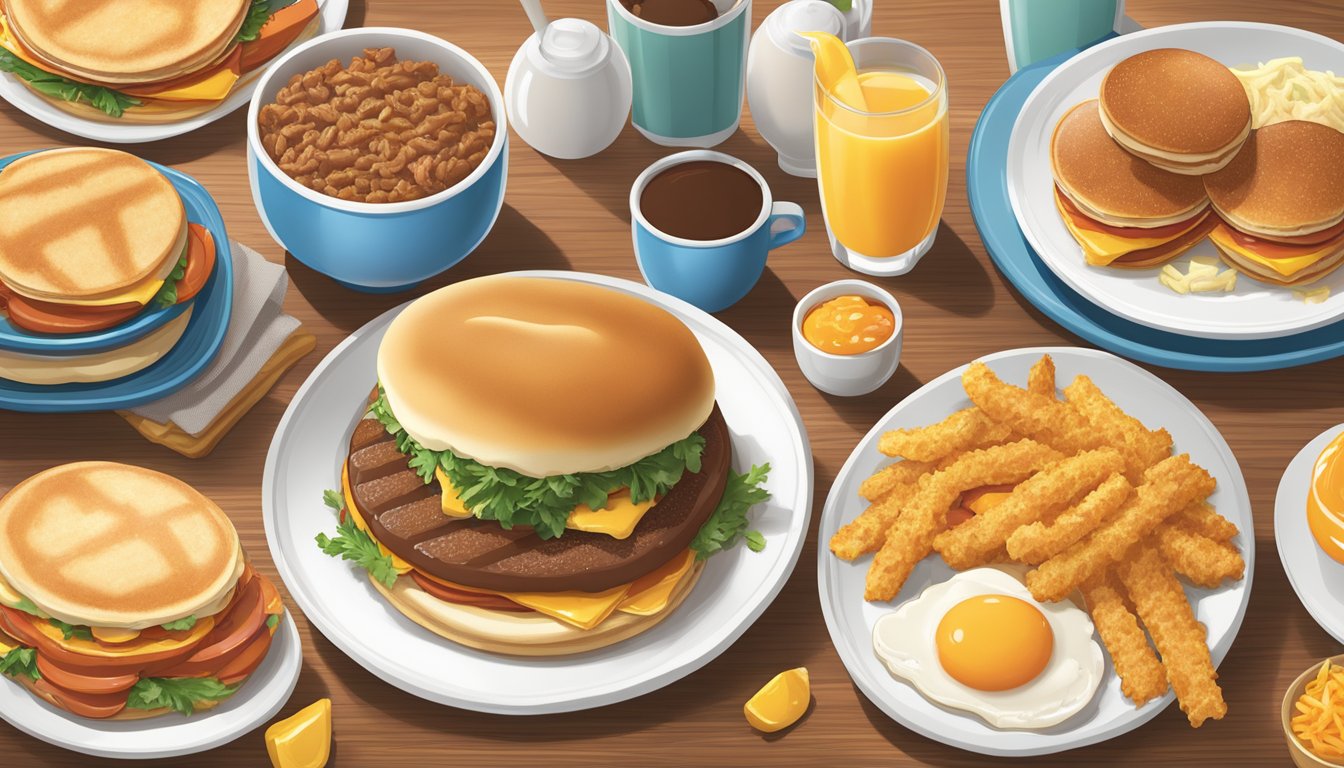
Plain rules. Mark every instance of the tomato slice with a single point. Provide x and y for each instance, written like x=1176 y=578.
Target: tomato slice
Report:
x=44 y=317
x=1276 y=249
x=461 y=597
x=1087 y=222
x=200 y=262
x=83 y=682
x=92 y=705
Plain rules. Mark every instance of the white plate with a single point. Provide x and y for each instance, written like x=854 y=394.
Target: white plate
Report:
x=1255 y=310
x=1316 y=578
x=736 y=587
x=170 y=735
x=850 y=618
x=331 y=15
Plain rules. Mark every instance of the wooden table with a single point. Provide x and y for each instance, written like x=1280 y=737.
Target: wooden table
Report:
x=574 y=215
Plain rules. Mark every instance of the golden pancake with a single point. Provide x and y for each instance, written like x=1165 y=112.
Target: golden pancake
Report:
x=1288 y=180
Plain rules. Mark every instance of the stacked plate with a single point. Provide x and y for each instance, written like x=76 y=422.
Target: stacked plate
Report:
x=198 y=345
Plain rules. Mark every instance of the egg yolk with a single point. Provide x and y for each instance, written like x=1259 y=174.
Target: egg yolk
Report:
x=994 y=642
x=848 y=325
x=1325 y=500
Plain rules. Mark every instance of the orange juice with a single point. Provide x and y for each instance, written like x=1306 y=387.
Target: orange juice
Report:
x=1325 y=500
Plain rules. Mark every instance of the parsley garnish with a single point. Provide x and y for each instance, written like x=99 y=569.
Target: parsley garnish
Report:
x=71 y=630
x=272 y=620
x=729 y=520
x=180 y=694
x=180 y=624
x=355 y=545
x=114 y=103
x=257 y=16
x=27 y=606
x=333 y=499
x=512 y=498
x=20 y=661
x=167 y=295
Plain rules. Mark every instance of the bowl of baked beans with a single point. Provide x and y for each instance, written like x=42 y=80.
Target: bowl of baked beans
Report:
x=378 y=156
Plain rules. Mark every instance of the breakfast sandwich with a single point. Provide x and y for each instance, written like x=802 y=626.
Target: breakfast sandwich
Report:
x=543 y=468
x=125 y=594
x=1179 y=110
x=1122 y=210
x=154 y=61
x=1282 y=204
x=93 y=238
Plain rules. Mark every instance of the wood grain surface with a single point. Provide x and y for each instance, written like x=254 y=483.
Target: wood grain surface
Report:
x=574 y=215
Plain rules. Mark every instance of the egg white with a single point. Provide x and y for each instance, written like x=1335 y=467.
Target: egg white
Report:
x=904 y=640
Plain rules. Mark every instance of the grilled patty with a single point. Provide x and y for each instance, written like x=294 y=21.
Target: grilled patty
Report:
x=404 y=513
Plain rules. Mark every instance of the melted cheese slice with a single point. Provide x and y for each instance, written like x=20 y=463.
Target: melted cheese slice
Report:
x=140 y=294
x=5 y=646
x=114 y=635
x=650 y=593
x=618 y=520
x=401 y=566
x=94 y=648
x=1287 y=267
x=1100 y=248
x=8 y=595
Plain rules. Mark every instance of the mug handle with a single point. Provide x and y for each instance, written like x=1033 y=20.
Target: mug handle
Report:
x=790 y=215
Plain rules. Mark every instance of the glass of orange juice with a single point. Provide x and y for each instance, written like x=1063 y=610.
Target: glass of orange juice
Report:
x=882 y=157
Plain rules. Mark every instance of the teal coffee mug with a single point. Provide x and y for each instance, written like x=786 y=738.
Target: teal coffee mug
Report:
x=688 y=81
x=1035 y=30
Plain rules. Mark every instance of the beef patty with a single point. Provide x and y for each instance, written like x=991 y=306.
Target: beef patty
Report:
x=404 y=513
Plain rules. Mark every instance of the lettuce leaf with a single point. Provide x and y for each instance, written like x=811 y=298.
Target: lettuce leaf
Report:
x=180 y=624
x=257 y=15
x=729 y=520
x=114 y=103
x=167 y=295
x=359 y=547
x=20 y=661
x=180 y=694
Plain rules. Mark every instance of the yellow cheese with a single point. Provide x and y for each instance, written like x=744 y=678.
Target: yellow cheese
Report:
x=302 y=740
x=5 y=646
x=114 y=635
x=140 y=294
x=781 y=702
x=1101 y=249
x=1284 y=266
x=649 y=594
x=987 y=501
x=584 y=610
x=399 y=565
x=618 y=520
x=8 y=595
x=93 y=648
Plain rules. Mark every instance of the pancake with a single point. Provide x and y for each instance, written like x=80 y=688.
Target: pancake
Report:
x=404 y=514
x=115 y=41
x=113 y=545
x=1178 y=109
x=1110 y=184
x=632 y=378
x=85 y=223
x=1287 y=181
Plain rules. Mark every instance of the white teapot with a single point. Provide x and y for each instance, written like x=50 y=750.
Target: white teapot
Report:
x=779 y=74
x=568 y=89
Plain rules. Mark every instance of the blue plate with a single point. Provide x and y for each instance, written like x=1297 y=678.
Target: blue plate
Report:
x=199 y=343
x=17 y=339
x=987 y=186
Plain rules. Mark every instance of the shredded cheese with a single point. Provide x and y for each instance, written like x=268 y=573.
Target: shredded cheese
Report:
x=1319 y=722
x=1201 y=275
x=1284 y=89
x=1312 y=295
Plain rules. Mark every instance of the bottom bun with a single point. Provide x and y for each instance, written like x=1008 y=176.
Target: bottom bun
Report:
x=521 y=634
x=125 y=714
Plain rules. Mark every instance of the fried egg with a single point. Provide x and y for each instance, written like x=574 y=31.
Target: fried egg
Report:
x=979 y=642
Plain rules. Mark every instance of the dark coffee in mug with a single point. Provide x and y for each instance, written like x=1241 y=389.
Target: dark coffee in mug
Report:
x=673 y=13
x=702 y=200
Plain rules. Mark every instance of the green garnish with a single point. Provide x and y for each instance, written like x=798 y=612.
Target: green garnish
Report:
x=180 y=694
x=180 y=624
x=257 y=16
x=27 y=606
x=512 y=498
x=272 y=620
x=359 y=547
x=843 y=5
x=20 y=661
x=333 y=499
x=71 y=630
x=114 y=103
x=167 y=295
x=729 y=520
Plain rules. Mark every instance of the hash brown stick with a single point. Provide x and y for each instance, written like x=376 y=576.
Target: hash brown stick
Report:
x=1142 y=447
x=1179 y=637
x=1039 y=541
x=910 y=538
x=1204 y=561
x=1201 y=518
x=971 y=543
x=1172 y=484
x=888 y=478
x=1034 y=415
x=1041 y=378
x=1142 y=677
x=963 y=430
x=868 y=531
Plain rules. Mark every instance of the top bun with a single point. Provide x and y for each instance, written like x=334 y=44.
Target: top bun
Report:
x=83 y=222
x=1286 y=181
x=1177 y=102
x=543 y=376
x=113 y=545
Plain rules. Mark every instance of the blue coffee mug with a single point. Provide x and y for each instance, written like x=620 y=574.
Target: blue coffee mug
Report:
x=711 y=274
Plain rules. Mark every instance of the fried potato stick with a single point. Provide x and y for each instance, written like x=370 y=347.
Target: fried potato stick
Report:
x=910 y=538
x=1142 y=447
x=889 y=477
x=1039 y=541
x=1041 y=379
x=961 y=431
x=1142 y=677
x=974 y=541
x=866 y=532
x=1172 y=484
x=1180 y=638
x=1205 y=562
x=1201 y=518
x=1040 y=418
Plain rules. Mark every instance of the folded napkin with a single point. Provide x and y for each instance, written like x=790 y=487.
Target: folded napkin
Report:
x=261 y=344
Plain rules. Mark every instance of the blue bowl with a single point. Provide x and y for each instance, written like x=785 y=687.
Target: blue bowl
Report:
x=378 y=247
x=16 y=339
x=198 y=346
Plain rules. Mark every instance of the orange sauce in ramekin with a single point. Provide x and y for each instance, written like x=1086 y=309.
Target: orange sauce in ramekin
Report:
x=1325 y=499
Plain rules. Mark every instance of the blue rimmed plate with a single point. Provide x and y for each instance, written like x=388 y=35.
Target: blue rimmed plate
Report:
x=199 y=343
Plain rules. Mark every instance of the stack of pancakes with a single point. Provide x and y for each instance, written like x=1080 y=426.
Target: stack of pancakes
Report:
x=117 y=583
x=93 y=239
x=1136 y=169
